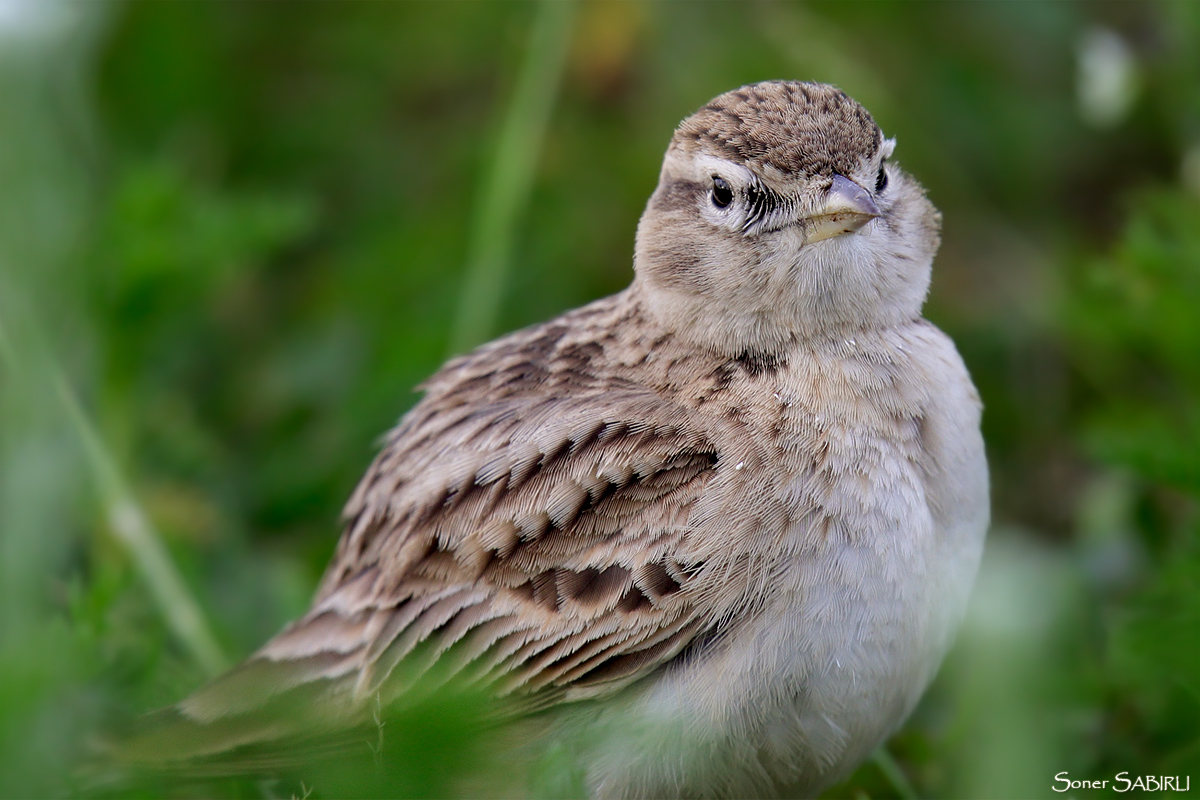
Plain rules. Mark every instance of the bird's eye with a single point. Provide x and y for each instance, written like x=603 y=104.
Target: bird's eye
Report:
x=881 y=181
x=722 y=192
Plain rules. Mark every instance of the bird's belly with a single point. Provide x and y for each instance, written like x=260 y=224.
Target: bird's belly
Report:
x=842 y=649
x=856 y=620
x=849 y=607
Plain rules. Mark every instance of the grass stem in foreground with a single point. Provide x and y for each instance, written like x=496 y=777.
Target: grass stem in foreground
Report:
x=510 y=176
x=131 y=528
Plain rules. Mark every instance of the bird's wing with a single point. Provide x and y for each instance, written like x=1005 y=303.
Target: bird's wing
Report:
x=537 y=542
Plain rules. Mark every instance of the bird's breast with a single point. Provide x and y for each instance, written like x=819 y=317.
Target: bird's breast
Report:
x=857 y=589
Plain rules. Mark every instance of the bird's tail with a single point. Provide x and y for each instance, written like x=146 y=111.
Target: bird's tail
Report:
x=278 y=721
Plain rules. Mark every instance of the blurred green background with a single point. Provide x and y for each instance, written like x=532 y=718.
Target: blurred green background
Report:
x=235 y=235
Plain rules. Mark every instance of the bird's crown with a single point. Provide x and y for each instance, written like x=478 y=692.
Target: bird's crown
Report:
x=786 y=126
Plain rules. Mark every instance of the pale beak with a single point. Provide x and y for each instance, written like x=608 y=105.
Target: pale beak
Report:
x=847 y=208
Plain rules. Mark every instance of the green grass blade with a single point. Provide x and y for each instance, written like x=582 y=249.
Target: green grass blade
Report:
x=130 y=526
x=510 y=176
x=891 y=770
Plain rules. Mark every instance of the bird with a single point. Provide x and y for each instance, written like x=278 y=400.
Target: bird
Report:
x=716 y=531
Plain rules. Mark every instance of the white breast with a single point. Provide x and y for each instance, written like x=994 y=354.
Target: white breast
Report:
x=888 y=491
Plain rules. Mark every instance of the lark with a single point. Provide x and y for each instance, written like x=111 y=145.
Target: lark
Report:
x=719 y=528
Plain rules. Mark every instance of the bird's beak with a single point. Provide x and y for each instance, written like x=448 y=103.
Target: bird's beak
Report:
x=847 y=208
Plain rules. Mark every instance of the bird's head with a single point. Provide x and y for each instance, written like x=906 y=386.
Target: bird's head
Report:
x=778 y=218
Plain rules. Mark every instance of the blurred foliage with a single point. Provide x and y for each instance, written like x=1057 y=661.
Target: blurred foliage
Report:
x=1135 y=338
x=1136 y=345
x=240 y=233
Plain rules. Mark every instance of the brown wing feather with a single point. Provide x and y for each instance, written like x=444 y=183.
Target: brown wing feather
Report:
x=554 y=536
x=516 y=526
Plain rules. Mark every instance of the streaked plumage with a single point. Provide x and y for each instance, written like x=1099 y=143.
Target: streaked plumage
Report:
x=723 y=522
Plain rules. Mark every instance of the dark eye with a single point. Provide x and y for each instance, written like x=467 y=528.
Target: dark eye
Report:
x=722 y=192
x=881 y=181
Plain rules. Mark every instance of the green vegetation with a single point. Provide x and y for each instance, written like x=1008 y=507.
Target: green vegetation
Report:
x=234 y=237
